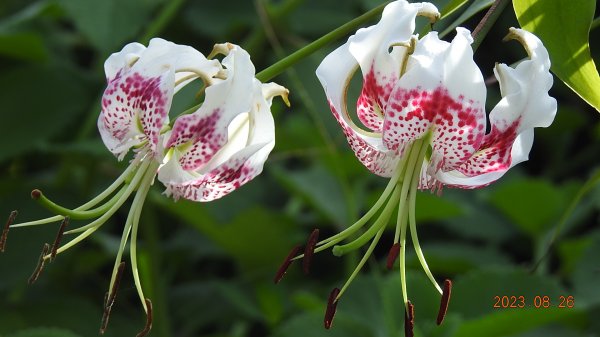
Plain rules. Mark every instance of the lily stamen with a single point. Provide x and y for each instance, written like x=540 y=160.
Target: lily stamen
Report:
x=309 y=250
x=4 y=236
x=149 y=318
x=444 y=302
x=59 y=235
x=40 y=265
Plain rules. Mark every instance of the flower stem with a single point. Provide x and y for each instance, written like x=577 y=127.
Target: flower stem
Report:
x=302 y=53
x=487 y=22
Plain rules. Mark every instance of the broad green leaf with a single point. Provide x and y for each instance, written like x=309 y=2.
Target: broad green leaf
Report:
x=255 y=237
x=43 y=332
x=38 y=102
x=476 y=7
x=24 y=46
x=532 y=205
x=564 y=26
x=430 y=207
x=585 y=277
x=319 y=188
x=109 y=23
x=451 y=7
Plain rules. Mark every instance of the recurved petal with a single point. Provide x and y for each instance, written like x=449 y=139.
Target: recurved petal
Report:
x=334 y=73
x=442 y=92
x=525 y=104
x=202 y=134
x=123 y=59
x=134 y=109
x=380 y=68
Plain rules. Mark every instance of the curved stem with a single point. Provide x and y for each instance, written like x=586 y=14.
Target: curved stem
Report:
x=379 y=224
x=78 y=215
x=293 y=58
x=92 y=227
x=413 y=224
x=93 y=202
x=138 y=204
x=362 y=262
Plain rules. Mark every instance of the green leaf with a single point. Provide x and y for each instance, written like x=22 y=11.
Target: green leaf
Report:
x=451 y=7
x=564 y=26
x=24 y=46
x=533 y=205
x=43 y=332
x=38 y=102
x=476 y=7
x=585 y=277
x=109 y=23
x=319 y=188
x=474 y=296
x=255 y=237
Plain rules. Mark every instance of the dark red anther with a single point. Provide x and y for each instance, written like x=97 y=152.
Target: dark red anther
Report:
x=148 y=325
x=393 y=255
x=59 y=235
x=109 y=298
x=40 y=266
x=409 y=320
x=331 y=307
x=36 y=194
x=309 y=250
x=286 y=264
x=9 y=222
x=445 y=301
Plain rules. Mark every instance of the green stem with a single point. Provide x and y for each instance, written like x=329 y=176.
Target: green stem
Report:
x=92 y=227
x=138 y=204
x=362 y=262
x=487 y=22
x=78 y=215
x=595 y=23
x=414 y=183
x=312 y=47
x=166 y=14
x=380 y=223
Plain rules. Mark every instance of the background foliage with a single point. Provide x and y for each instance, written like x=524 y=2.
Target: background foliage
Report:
x=209 y=267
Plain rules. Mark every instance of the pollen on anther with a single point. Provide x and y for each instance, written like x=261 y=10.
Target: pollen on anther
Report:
x=286 y=264
x=40 y=266
x=392 y=255
x=331 y=308
x=149 y=318
x=4 y=236
x=409 y=320
x=309 y=250
x=444 y=301
x=59 y=235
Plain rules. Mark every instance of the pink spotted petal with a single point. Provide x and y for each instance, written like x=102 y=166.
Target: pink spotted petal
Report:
x=251 y=139
x=371 y=49
x=141 y=84
x=442 y=93
x=134 y=109
x=204 y=132
x=218 y=182
x=525 y=105
x=334 y=72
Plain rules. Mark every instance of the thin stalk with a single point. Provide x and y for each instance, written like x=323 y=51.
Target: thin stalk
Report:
x=312 y=47
x=487 y=22
x=362 y=262
x=138 y=203
x=413 y=223
x=379 y=224
x=92 y=227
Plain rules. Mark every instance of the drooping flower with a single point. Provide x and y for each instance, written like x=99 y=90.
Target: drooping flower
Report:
x=422 y=107
x=206 y=154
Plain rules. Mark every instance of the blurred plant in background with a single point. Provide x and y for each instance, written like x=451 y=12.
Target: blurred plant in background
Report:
x=209 y=267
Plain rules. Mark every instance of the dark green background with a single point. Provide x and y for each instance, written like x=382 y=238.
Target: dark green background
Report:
x=208 y=267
